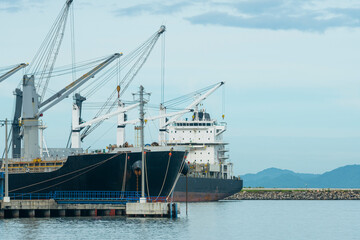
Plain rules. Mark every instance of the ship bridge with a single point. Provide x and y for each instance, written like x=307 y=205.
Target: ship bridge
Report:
x=204 y=137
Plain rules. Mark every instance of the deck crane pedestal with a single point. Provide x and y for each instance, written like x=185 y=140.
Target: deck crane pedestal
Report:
x=27 y=102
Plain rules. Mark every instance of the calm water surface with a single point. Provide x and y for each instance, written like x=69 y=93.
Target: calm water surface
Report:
x=219 y=220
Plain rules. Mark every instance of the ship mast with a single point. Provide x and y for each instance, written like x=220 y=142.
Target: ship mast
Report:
x=142 y=143
x=142 y=102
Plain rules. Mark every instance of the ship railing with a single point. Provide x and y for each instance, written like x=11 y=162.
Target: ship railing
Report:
x=87 y=196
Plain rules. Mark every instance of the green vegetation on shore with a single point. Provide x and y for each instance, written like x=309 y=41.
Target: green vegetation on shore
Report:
x=343 y=177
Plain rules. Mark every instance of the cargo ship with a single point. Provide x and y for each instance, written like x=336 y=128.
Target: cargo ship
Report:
x=210 y=176
x=34 y=168
x=194 y=145
x=116 y=170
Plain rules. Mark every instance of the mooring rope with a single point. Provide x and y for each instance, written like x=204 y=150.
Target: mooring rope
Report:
x=146 y=176
x=177 y=178
x=124 y=177
x=166 y=172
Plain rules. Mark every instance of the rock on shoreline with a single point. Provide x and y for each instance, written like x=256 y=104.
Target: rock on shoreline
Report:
x=323 y=194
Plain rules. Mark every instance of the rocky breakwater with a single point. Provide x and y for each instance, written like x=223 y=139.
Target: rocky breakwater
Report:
x=318 y=194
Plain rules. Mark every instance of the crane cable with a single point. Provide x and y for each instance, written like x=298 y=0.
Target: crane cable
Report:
x=46 y=56
x=187 y=97
x=223 y=103
x=148 y=47
x=73 y=56
x=162 y=67
x=113 y=71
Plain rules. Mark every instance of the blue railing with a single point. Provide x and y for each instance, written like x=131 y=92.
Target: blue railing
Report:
x=86 y=196
x=97 y=195
x=30 y=196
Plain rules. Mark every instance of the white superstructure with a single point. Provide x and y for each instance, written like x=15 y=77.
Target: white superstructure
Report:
x=204 y=136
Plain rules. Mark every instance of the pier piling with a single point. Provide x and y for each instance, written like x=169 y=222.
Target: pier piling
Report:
x=15 y=213
x=29 y=213
x=92 y=212
x=77 y=213
x=61 y=213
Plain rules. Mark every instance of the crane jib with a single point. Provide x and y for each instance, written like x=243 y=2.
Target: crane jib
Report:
x=12 y=71
x=51 y=101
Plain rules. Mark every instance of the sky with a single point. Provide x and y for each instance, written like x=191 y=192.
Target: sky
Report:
x=291 y=69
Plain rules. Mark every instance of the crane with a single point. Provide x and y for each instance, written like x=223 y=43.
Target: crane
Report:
x=163 y=122
x=13 y=71
x=33 y=109
x=174 y=116
x=194 y=103
x=143 y=51
x=45 y=58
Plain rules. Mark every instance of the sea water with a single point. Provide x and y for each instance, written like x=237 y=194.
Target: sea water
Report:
x=216 y=220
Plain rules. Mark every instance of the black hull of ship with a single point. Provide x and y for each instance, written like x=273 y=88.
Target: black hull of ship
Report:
x=205 y=189
x=104 y=172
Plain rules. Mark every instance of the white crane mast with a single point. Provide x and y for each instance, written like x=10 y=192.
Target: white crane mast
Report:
x=120 y=130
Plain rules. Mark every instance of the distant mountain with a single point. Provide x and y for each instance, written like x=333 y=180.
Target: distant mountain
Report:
x=343 y=177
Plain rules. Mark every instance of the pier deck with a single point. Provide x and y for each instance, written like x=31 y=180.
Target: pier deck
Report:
x=51 y=208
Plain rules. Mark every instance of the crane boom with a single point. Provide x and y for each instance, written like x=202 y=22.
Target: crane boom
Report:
x=137 y=120
x=194 y=103
x=141 y=61
x=107 y=116
x=66 y=91
x=12 y=71
x=128 y=78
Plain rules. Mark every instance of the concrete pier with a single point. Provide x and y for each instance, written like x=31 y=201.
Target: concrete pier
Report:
x=50 y=208
x=157 y=209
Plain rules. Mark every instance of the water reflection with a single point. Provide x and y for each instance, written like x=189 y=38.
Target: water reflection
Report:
x=220 y=220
